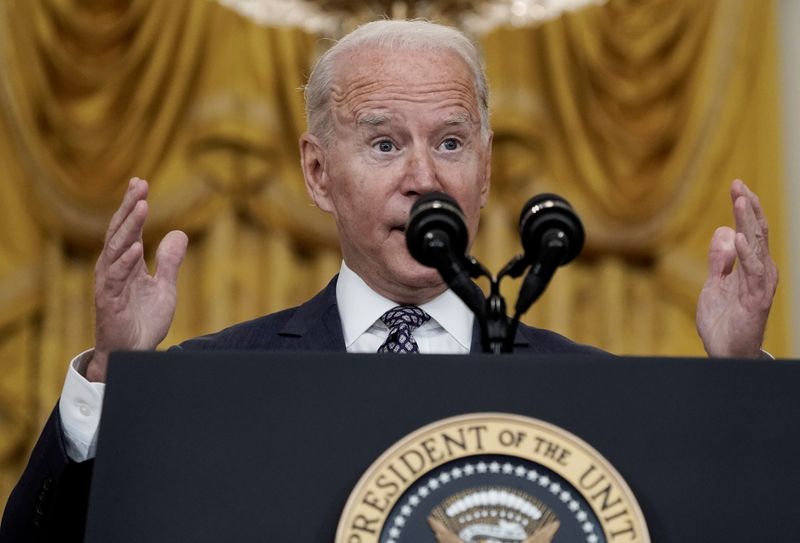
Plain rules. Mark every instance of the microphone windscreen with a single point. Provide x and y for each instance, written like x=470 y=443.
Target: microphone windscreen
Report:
x=436 y=224
x=545 y=213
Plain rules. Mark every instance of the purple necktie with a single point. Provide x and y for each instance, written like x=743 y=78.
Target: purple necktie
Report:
x=402 y=321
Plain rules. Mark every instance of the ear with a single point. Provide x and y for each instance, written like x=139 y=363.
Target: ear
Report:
x=487 y=170
x=313 y=161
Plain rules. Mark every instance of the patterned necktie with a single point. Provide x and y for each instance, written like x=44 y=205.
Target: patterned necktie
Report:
x=401 y=321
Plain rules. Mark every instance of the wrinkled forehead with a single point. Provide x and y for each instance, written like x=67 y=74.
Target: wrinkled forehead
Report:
x=373 y=79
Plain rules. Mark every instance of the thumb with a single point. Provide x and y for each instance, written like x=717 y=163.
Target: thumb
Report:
x=169 y=256
x=722 y=253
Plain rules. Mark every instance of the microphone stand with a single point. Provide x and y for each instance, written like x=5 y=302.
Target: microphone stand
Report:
x=554 y=246
x=497 y=320
x=494 y=322
x=497 y=329
x=491 y=316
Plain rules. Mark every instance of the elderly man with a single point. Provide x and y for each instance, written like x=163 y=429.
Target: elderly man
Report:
x=395 y=110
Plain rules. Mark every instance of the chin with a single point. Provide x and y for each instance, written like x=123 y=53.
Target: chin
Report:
x=416 y=275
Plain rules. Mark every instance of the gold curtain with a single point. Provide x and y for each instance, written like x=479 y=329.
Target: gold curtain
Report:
x=187 y=94
x=638 y=112
x=641 y=113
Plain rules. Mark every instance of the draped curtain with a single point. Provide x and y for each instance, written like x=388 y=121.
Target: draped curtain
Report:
x=639 y=112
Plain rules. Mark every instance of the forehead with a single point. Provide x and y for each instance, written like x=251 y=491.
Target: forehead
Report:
x=380 y=80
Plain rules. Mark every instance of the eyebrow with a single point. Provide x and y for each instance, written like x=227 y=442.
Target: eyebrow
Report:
x=377 y=119
x=457 y=118
x=372 y=119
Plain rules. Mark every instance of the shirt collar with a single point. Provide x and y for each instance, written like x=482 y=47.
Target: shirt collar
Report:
x=360 y=307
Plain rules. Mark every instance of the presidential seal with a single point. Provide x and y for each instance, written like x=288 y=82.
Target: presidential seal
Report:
x=491 y=478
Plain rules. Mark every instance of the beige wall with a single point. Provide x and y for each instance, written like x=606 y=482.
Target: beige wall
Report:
x=789 y=35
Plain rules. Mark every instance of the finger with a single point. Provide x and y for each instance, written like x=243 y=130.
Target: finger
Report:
x=137 y=190
x=761 y=220
x=738 y=188
x=121 y=269
x=722 y=252
x=750 y=220
x=169 y=256
x=753 y=269
x=746 y=222
x=129 y=231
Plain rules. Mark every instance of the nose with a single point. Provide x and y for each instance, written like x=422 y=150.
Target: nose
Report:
x=421 y=174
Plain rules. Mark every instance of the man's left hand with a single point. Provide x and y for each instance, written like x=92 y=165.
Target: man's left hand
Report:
x=734 y=304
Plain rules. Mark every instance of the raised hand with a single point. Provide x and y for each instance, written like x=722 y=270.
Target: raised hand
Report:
x=134 y=309
x=734 y=304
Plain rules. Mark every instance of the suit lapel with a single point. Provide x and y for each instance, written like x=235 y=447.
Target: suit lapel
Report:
x=316 y=324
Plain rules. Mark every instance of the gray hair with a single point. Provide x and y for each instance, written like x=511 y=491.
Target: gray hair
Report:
x=414 y=35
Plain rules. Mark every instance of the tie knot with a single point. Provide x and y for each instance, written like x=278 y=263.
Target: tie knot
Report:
x=405 y=316
x=401 y=321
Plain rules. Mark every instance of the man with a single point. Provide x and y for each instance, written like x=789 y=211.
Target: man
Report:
x=395 y=110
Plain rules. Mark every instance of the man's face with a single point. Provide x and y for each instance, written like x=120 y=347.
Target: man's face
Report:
x=405 y=123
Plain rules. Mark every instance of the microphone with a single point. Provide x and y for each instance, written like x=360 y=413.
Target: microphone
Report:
x=552 y=235
x=547 y=220
x=436 y=231
x=437 y=237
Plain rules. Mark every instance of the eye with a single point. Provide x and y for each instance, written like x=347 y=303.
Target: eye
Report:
x=450 y=144
x=384 y=146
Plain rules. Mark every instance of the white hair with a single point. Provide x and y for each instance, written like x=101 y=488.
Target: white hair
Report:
x=414 y=35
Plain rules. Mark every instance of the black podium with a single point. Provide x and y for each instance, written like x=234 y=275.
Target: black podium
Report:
x=267 y=447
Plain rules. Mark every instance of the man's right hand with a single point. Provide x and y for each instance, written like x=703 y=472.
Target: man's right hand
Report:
x=133 y=309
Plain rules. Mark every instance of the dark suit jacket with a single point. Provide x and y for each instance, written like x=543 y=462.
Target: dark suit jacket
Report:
x=49 y=502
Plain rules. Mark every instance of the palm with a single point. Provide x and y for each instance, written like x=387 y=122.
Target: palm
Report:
x=140 y=316
x=721 y=309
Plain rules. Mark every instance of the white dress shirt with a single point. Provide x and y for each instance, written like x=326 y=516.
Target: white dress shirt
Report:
x=449 y=331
